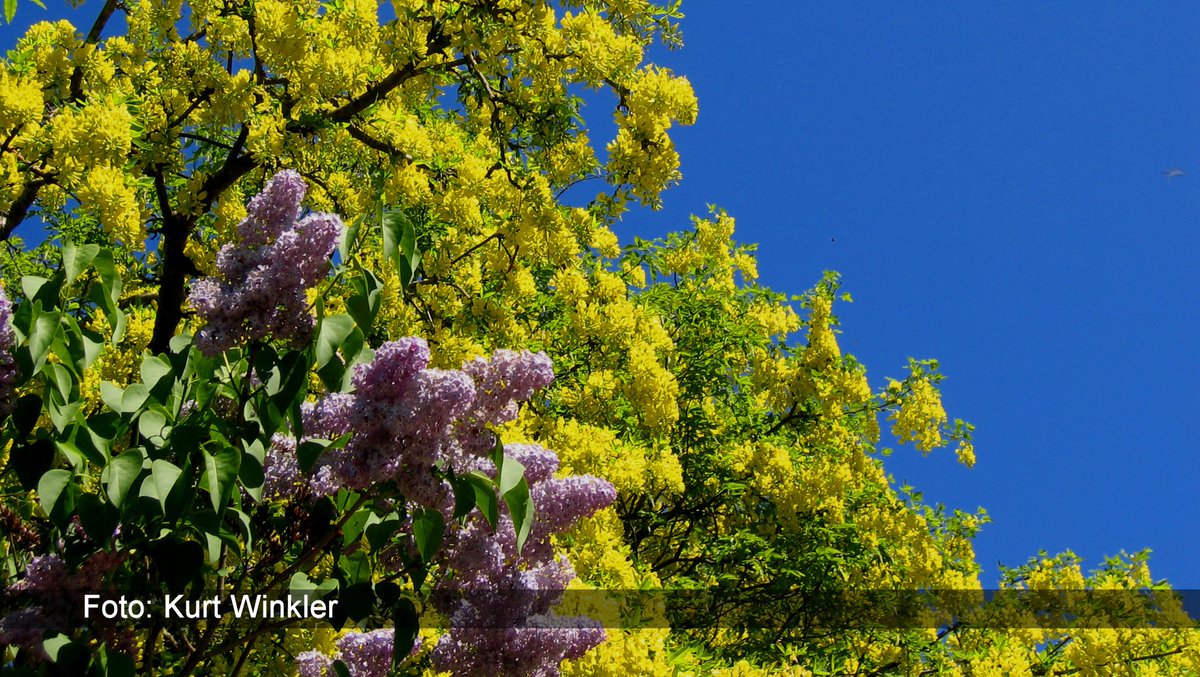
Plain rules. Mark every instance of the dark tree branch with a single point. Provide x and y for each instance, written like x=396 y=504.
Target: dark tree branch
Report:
x=93 y=37
x=19 y=208
x=371 y=142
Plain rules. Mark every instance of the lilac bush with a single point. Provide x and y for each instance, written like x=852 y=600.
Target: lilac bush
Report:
x=500 y=601
x=408 y=424
x=261 y=288
x=365 y=654
x=227 y=471
x=405 y=417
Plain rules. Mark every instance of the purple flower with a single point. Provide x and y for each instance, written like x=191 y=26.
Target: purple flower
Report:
x=260 y=289
x=540 y=463
x=274 y=210
x=562 y=502
x=313 y=664
x=281 y=471
x=365 y=654
x=404 y=418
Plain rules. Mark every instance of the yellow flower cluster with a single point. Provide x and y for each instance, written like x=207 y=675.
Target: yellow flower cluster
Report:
x=97 y=133
x=20 y=101
x=602 y=54
x=105 y=194
x=632 y=468
x=642 y=154
x=920 y=417
x=51 y=47
x=118 y=364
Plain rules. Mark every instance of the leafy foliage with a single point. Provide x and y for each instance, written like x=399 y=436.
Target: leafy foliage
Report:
x=752 y=503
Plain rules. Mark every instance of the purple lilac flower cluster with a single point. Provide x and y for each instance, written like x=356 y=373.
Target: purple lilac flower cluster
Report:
x=261 y=288
x=365 y=654
x=48 y=594
x=406 y=416
x=8 y=367
x=498 y=601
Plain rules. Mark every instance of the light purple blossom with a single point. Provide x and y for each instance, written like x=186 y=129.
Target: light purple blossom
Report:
x=563 y=501
x=313 y=664
x=499 y=602
x=43 y=573
x=262 y=280
x=49 y=592
x=540 y=463
x=365 y=654
x=281 y=470
x=404 y=418
x=501 y=382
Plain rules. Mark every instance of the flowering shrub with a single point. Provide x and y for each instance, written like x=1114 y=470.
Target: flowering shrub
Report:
x=223 y=476
x=263 y=278
x=277 y=437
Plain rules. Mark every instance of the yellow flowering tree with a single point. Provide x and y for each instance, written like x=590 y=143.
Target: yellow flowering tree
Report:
x=754 y=511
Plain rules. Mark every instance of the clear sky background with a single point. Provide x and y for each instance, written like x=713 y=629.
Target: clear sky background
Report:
x=989 y=180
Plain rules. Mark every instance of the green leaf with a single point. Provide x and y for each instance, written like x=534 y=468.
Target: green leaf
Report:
x=120 y=473
x=39 y=290
x=110 y=279
x=221 y=471
x=427 y=528
x=69 y=657
x=332 y=334
x=520 y=506
x=250 y=473
x=78 y=443
x=480 y=490
x=379 y=533
x=41 y=335
x=308 y=452
x=133 y=398
x=364 y=303
x=407 y=626
x=511 y=473
x=61 y=411
x=26 y=411
x=406 y=271
x=99 y=519
x=152 y=425
x=110 y=394
x=56 y=494
x=353 y=528
x=399 y=236
x=464 y=498
x=10 y=10
x=61 y=377
x=162 y=479
x=77 y=259
x=355 y=568
x=154 y=369
x=115 y=663
x=91 y=350
x=348 y=238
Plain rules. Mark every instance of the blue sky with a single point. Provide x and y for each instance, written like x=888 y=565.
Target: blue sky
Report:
x=989 y=180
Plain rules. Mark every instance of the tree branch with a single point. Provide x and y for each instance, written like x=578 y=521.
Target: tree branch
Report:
x=93 y=37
